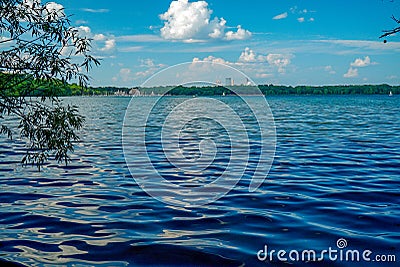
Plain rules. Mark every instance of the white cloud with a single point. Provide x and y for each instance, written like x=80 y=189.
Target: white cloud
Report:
x=144 y=73
x=84 y=31
x=99 y=37
x=216 y=60
x=149 y=63
x=303 y=14
x=241 y=34
x=301 y=19
x=281 y=61
x=55 y=8
x=351 y=73
x=329 y=69
x=281 y=16
x=108 y=45
x=361 y=62
x=217 y=26
x=248 y=55
x=150 y=68
x=51 y=12
x=212 y=59
x=125 y=75
x=256 y=65
x=186 y=20
x=90 y=10
x=358 y=63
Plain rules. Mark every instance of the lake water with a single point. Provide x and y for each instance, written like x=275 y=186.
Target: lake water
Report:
x=336 y=174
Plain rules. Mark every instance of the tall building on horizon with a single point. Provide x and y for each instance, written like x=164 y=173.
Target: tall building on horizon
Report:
x=229 y=82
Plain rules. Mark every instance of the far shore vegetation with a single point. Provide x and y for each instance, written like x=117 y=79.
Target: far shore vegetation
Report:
x=66 y=89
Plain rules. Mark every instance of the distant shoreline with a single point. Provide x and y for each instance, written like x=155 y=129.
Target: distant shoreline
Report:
x=268 y=90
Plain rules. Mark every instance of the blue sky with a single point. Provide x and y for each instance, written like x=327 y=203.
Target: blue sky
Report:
x=306 y=42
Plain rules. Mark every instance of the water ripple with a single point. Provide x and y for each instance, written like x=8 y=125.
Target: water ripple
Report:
x=336 y=174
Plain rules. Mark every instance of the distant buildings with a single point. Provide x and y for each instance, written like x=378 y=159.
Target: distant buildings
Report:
x=134 y=92
x=229 y=82
x=131 y=92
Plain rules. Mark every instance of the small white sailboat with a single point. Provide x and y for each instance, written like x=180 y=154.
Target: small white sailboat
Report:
x=390 y=93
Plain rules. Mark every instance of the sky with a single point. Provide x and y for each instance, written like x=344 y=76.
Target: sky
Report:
x=298 y=42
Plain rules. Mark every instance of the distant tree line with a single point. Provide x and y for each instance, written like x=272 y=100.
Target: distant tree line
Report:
x=382 y=89
x=277 y=90
x=66 y=89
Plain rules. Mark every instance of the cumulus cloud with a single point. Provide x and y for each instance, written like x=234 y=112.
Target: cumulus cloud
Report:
x=212 y=59
x=99 y=37
x=351 y=73
x=51 y=12
x=53 y=7
x=108 y=45
x=248 y=55
x=186 y=20
x=150 y=67
x=258 y=65
x=281 y=16
x=217 y=27
x=359 y=62
x=84 y=31
x=240 y=34
x=281 y=61
x=102 y=42
x=149 y=63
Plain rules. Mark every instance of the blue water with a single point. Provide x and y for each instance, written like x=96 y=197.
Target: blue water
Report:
x=336 y=174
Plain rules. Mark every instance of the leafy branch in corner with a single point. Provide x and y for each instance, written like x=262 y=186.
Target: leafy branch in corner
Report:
x=40 y=52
